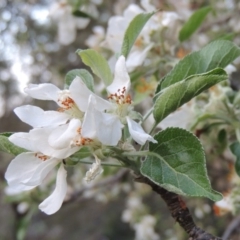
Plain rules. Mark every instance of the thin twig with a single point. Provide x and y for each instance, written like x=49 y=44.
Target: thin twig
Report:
x=103 y=183
x=234 y=224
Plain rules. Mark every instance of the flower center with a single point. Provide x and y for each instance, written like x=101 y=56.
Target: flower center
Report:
x=68 y=105
x=79 y=140
x=64 y=100
x=120 y=97
x=41 y=156
x=122 y=101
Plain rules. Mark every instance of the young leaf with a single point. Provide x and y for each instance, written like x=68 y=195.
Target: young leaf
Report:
x=83 y=74
x=8 y=147
x=98 y=64
x=178 y=164
x=193 y=23
x=133 y=30
x=216 y=54
x=235 y=148
x=173 y=97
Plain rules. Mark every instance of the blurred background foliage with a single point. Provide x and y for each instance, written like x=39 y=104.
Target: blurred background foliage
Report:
x=30 y=52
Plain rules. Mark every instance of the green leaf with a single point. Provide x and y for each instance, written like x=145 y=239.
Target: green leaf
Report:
x=8 y=147
x=235 y=148
x=6 y=134
x=173 y=97
x=216 y=54
x=177 y=163
x=193 y=23
x=83 y=74
x=222 y=138
x=98 y=64
x=78 y=13
x=133 y=30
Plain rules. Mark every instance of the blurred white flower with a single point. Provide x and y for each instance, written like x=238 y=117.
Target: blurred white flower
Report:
x=145 y=229
x=117 y=26
x=182 y=117
x=94 y=40
x=230 y=69
x=68 y=24
x=223 y=206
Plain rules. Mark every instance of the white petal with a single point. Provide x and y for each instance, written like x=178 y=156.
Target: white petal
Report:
x=41 y=172
x=45 y=91
x=121 y=77
x=147 y=6
x=21 y=169
x=66 y=29
x=11 y=191
x=137 y=133
x=80 y=94
x=109 y=130
x=81 y=23
x=115 y=33
x=40 y=138
x=63 y=136
x=89 y=126
x=181 y=118
x=53 y=203
x=91 y=119
x=23 y=140
x=131 y=11
x=36 y=117
x=137 y=57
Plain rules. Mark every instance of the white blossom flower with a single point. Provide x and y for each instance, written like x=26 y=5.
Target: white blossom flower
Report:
x=182 y=117
x=64 y=98
x=122 y=103
x=223 y=206
x=108 y=117
x=68 y=24
x=94 y=40
x=28 y=170
x=117 y=26
x=145 y=229
x=68 y=101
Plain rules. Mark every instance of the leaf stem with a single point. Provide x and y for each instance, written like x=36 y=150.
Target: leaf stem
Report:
x=147 y=115
x=102 y=163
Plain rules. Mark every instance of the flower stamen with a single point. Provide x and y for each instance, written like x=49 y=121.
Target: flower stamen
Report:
x=80 y=140
x=120 y=98
x=41 y=156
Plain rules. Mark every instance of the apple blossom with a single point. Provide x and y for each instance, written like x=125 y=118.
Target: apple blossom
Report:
x=63 y=98
x=29 y=169
x=114 y=113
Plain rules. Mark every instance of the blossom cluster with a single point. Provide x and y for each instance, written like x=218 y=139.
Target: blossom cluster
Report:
x=83 y=119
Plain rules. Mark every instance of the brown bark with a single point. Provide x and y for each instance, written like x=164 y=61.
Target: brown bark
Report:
x=179 y=211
